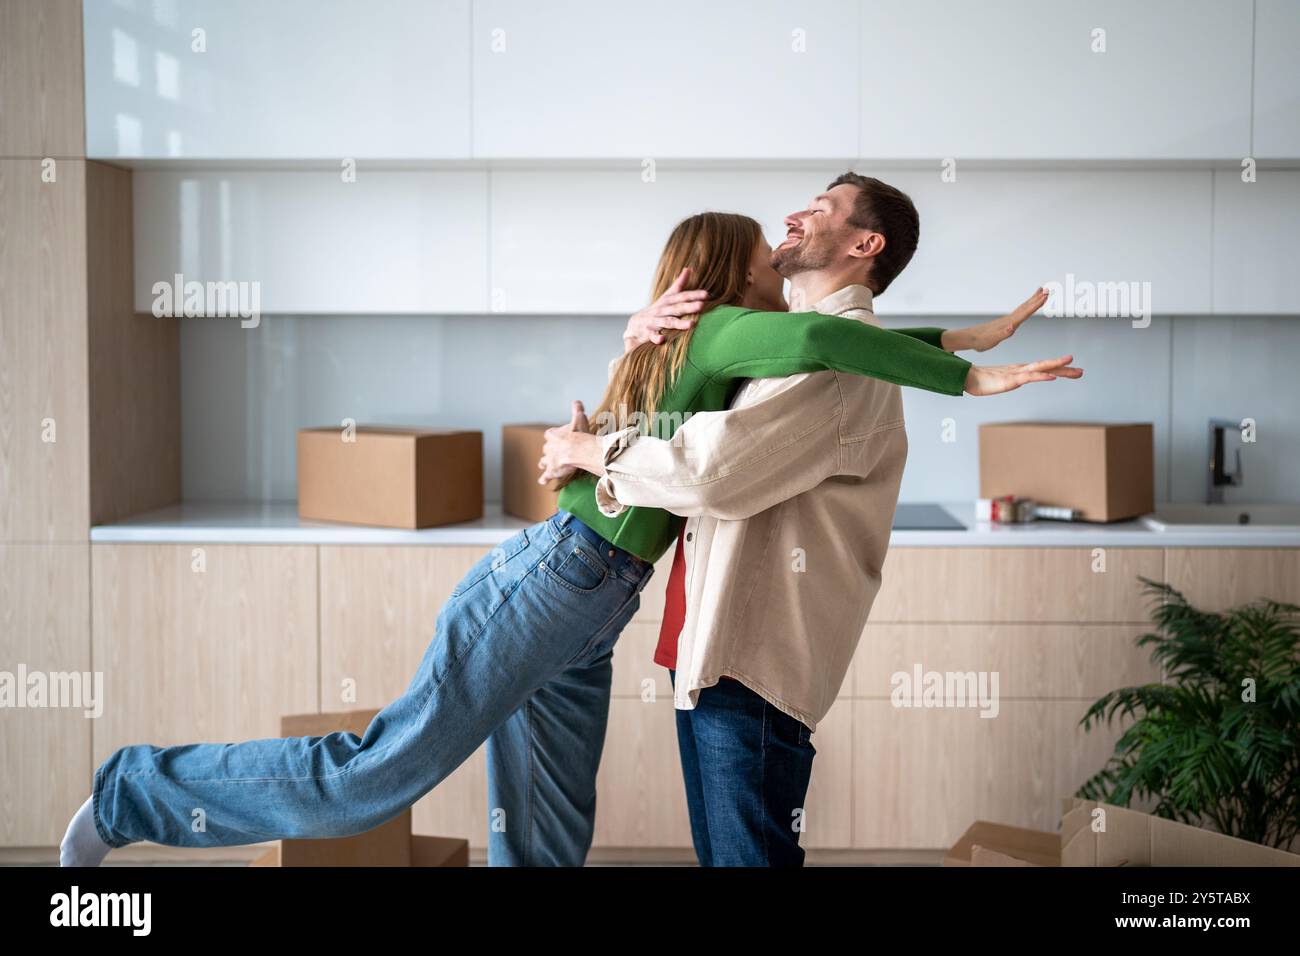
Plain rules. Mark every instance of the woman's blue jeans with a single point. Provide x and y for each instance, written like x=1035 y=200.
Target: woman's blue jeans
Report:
x=521 y=658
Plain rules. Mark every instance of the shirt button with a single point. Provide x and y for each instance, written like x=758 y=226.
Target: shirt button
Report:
x=688 y=535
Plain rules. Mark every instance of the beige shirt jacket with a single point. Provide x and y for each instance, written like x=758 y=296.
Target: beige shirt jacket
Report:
x=789 y=497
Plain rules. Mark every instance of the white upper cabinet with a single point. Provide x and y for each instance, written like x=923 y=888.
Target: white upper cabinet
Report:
x=679 y=78
x=305 y=242
x=587 y=241
x=1277 y=79
x=989 y=238
x=570 y=241
x=1256 y=243
x=1019 y=79
x=289 y=79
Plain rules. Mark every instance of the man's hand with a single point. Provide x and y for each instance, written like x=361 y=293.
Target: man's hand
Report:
x=996 y=379
x=674 y=309
x=569 y=447
x=984 y=336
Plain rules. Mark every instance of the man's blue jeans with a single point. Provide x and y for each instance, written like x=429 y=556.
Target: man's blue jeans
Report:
x=521 y=653
x=747 y=766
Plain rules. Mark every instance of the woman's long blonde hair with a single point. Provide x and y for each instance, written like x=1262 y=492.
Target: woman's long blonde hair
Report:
x=717 y=247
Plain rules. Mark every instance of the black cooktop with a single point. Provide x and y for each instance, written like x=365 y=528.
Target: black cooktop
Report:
x=925 y=518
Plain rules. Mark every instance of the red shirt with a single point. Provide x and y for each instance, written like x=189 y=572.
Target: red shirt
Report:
x=674 y=609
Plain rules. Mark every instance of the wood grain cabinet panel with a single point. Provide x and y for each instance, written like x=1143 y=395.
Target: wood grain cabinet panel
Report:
x=44 y=629
x=212 y=655
x=829 y=820
x=1031 y=660
x=922 y=776
x=378 y=608
x=1217 y=578
x=1012 y=585
x=41 y=113
x=44 y=463
x=640 y=796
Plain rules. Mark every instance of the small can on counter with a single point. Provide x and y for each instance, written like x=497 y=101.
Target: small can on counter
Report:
x=1009 y=509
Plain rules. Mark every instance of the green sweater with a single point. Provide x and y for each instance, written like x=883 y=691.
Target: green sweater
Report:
x=731 y=344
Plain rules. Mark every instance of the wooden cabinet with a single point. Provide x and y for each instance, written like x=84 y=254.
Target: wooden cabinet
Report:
x=44 y=462
x=202 y=643
x=41 y=79
x=1015 y=585
x=296 y=79
x=1072 y=661
x=45 y=743
x=922 y=776
x=1015 y=79
x=1217 y=578
x=640 y=796
x=378 y=609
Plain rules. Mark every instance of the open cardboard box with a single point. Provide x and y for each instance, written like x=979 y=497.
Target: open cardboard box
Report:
x=1130 y=838
x=389 y=844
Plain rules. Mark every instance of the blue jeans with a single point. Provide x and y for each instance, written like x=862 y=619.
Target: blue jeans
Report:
x=522 y=649
x=747 y=766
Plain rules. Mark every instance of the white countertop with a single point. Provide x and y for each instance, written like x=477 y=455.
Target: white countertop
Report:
x=277 y=522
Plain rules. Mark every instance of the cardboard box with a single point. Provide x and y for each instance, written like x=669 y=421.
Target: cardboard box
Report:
x=521 y=495
x=1106 y=471
x=1130 y=838
x=389 y=844
x=985 y=843
x=393 y=477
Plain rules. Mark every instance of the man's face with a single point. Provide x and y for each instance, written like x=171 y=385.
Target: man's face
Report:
x=819 y=236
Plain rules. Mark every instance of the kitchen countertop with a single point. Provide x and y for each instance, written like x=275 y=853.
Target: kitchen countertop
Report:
x=277 y=522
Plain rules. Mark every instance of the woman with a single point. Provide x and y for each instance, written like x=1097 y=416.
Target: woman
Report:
x=542 y=610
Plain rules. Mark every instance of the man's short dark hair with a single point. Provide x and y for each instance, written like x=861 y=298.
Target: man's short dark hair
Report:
x=886 y=210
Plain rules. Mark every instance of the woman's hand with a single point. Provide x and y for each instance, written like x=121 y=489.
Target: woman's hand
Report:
x=984 y=336
x=996 y=379
x=674 y=309
x=569 y=447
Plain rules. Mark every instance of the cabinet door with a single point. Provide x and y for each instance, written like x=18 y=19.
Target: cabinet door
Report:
x=1277 y=80
x=989 y=237
x=40 y=74
x=295 y=79
x=1056 y=661
x=45 y=740
x=640 y=796
x=378 y=609
x=922 y=776
x=681 y=79
x=1256 y=242
x=1018 y=79
x=392 y=241
x=1015 y=585
x=207 y=643
x=565 y=241
x=1214 y=579
x=44 y=484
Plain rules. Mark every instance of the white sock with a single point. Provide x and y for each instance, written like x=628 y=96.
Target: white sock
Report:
x=82 y=845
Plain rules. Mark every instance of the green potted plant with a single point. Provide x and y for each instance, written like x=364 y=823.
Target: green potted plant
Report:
x=1218 y=743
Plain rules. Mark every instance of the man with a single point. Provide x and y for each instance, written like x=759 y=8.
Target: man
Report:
x=789 y=497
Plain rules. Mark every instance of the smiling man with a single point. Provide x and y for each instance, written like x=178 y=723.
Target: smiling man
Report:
x=789 y=497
